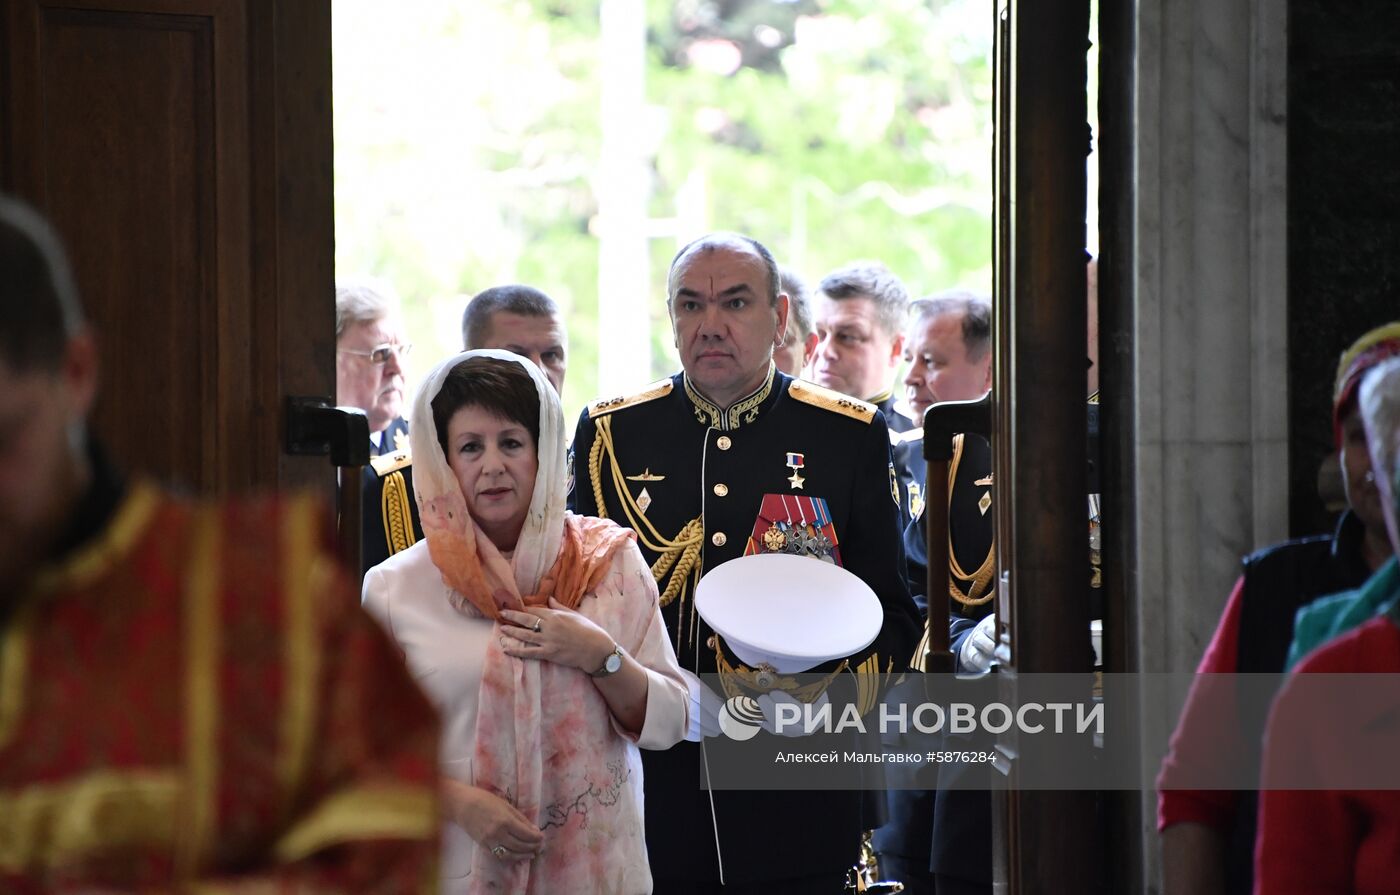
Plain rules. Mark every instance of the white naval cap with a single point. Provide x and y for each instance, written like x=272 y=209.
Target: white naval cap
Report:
x=789 y=612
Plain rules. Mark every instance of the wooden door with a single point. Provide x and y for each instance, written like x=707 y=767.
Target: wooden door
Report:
x=183 y=150
x=1043 y=838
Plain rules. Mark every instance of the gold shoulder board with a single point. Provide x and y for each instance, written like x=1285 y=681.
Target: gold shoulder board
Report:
x=387 y=463
x=658 y=389
x=825 y=398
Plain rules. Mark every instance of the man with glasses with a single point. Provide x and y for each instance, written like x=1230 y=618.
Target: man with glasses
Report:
x=369 y=350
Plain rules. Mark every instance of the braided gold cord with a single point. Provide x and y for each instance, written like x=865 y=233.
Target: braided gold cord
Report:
x=397 y=514
x=980 y=578
x=677 y=556
x=694 y=531
x=595 y=455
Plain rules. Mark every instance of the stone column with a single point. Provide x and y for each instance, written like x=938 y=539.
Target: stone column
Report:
x=1210 y=327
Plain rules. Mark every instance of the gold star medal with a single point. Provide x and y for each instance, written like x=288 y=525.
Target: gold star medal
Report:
x=795 y=463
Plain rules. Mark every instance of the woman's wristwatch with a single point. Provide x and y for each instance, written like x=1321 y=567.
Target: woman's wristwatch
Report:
x=612 y=664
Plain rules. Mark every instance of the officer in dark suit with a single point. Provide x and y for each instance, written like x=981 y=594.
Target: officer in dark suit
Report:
x=731 y=457
x=390 y=515
x=941 y=841
x=859 y=316
x=369 y=348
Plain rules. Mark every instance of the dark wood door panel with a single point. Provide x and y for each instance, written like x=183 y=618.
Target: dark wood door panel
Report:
x=160 y=136
x=128 y=169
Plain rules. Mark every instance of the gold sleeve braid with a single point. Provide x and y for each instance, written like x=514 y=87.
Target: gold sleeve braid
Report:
x=397 y=513
x=677 y=556
x=917 y=663
x=870 y=682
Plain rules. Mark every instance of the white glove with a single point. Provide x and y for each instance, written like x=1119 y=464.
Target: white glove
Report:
x=979 y=648
x=704 y=709
x=792 y=727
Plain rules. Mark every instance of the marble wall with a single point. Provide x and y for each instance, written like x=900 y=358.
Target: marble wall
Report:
x=1211 y=309
x=1210 y=330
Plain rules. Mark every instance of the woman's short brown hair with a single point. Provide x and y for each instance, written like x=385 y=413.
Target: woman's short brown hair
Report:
x=502 y=387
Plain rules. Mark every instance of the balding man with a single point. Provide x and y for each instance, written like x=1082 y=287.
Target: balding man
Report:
x=726 y=458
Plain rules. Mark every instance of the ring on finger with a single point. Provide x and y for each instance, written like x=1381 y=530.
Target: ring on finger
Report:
x=537 y=624
x=499 y=851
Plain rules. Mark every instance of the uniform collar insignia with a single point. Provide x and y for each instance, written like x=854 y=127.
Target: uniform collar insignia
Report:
x=745 y=410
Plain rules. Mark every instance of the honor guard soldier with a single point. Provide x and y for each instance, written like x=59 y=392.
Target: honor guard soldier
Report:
x=369 y=348
x=859 y=314
x=946 y=836
x=731 y=457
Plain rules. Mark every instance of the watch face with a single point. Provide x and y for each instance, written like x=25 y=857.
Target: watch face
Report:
x=613 y=663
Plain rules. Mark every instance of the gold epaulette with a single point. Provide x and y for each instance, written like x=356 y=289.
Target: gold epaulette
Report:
x=659 y=389
x=387 y=463
x=825 y=398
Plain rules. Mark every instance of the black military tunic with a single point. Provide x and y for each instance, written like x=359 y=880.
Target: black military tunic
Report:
x=971 y=527
x=389 y=513
x=908 y=464
x=690 y=478
x=948 y=833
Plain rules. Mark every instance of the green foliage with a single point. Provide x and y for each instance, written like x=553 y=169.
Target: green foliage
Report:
x=468 y=140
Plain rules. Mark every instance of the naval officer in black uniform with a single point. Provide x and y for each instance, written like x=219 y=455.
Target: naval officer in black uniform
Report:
x=941 y=841
x=369 y=348
x=728 y=457
x=859 y=316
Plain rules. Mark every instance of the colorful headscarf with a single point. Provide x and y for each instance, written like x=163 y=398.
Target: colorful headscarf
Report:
x=1367 y=351
x=557 y=554
x=543 y=732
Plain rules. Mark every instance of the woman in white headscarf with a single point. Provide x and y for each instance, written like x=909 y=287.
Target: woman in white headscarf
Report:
x=537 y=634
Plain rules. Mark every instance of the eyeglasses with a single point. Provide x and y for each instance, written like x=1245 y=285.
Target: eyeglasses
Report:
x=379 y=355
